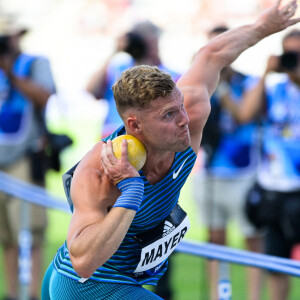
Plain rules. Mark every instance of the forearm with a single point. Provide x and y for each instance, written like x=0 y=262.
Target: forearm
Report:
x=223 y=93
x=93 y=245
x=231 y=106
x=35 y=93
x=249 y=106
x=226 y=47
x=252 y=102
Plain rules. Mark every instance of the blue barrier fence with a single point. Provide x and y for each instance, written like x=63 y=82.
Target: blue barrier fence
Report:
x=40 y=196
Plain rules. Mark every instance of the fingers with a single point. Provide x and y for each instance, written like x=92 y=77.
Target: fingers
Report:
x=110 y=162
x=293 y=21
x=290 y=3
x=290 y=8
x=107 y=155
x=110 y=153
x=288 y=11
x=117 y=170
x=124 y=151
x=277 y=4
x=104 y=158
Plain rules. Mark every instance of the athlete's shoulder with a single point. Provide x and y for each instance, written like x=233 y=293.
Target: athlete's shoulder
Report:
x=90 y=186
x=91 y=160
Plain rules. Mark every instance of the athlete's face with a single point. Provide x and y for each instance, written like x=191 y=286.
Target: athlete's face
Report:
x=164 y=123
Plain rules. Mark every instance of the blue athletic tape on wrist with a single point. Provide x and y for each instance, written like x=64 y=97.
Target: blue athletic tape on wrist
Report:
x=132 y=193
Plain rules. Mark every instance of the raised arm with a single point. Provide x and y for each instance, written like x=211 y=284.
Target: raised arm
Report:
x=201 y=79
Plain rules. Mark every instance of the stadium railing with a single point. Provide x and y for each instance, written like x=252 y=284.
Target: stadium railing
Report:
x=37 y=195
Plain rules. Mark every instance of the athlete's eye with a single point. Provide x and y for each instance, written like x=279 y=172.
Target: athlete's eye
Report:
x=168 y=115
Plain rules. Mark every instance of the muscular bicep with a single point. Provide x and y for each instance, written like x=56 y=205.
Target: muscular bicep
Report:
x=197 y=105
x=92 y=193
x=93 y=196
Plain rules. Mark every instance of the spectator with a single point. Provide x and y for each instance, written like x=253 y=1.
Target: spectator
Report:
x=136 y=47
x=231 y=157
x=25 y=85
x=277 y=96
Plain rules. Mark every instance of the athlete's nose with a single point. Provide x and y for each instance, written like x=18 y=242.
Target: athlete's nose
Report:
x=184 y=119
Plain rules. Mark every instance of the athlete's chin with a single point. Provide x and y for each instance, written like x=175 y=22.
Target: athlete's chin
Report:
x=184 y=143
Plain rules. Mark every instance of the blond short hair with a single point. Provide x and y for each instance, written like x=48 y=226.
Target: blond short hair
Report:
x=139 y=86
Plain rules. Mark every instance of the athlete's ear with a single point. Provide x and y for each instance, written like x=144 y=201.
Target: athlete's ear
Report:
x=133 y=124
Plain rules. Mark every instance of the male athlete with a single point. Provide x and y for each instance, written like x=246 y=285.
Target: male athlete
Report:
x=117 y=239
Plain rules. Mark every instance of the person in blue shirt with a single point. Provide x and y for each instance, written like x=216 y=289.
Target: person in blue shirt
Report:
x=117 y=239
x=26 y=83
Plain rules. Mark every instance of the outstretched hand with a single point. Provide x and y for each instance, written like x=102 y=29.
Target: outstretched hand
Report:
x=277 y=18
x=117 y=170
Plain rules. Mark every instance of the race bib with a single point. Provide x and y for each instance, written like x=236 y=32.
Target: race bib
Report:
x=158 y=243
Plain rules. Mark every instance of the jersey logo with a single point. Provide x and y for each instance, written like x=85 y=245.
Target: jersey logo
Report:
x=168 y=228
x=176 y=173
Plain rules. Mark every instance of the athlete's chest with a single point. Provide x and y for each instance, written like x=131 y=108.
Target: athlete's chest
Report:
x=154 y=177
x=160 y=199
x=158 y=202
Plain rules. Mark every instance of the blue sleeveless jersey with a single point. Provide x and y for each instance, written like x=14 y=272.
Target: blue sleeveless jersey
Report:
x=158 y=202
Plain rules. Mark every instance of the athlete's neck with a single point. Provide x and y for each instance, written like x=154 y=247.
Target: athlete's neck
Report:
x=157 y=167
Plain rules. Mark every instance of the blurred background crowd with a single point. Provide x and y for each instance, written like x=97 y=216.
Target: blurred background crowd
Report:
x=80 y=35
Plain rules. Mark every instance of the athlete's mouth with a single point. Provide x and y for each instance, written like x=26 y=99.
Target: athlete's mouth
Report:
x=184 y=132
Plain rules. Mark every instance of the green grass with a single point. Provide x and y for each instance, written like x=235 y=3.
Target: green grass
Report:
x=189 y=279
